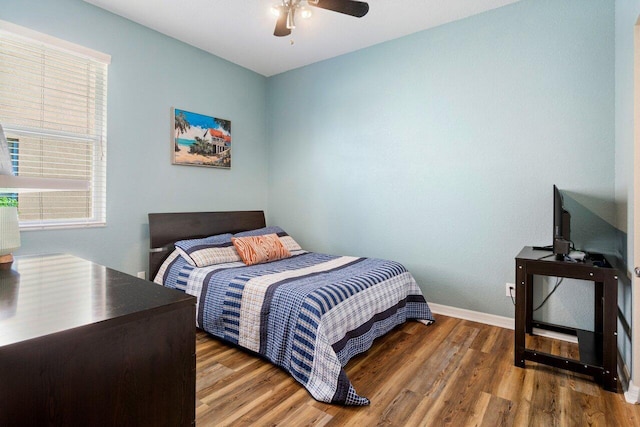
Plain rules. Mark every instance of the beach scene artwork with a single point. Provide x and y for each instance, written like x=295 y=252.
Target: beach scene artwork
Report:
x=200 y=140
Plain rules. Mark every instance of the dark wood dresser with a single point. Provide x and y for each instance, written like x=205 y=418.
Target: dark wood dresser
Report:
x=85 y=345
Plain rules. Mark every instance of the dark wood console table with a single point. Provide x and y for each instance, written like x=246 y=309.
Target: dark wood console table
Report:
x=85 y=345
x=598 y=349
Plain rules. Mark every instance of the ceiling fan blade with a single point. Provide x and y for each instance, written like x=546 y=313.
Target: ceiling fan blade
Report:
x=281 y=25
x=348 y=7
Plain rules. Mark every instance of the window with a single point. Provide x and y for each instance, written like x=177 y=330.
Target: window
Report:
x=53 y=99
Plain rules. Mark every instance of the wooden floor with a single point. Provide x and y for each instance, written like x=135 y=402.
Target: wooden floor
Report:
x=452 y=373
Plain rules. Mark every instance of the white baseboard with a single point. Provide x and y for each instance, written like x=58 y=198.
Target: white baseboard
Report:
x=555 y=335
x=623 y=373
x=474 y=316
x=632 y=395
x=494 y=320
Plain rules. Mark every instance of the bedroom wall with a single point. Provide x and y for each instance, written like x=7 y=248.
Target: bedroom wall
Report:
x=440 y=149
x=149 y=74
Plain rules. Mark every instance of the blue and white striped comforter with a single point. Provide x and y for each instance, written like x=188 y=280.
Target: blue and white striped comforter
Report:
x=308 y=314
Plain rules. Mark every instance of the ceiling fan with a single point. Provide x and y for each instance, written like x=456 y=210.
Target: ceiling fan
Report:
x=286 y=11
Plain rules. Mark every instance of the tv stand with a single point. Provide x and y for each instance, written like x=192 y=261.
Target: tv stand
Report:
x=597 y=349
x=543 y=248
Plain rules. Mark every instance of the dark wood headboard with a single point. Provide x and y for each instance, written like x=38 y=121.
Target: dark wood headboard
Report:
x=167 y=228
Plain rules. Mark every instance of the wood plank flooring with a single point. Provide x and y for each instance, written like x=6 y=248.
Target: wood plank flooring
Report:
x=452 y=373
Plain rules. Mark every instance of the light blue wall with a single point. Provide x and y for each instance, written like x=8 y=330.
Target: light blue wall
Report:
x=626 y=16
x=149 y=74
x=440 y=149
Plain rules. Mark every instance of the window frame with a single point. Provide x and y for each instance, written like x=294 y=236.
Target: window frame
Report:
x=97 y=196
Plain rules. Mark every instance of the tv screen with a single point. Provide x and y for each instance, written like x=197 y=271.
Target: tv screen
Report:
x=561 y=225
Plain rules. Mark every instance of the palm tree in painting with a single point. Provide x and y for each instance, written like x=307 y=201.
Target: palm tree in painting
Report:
x=202 y=147
x=224 y=124
x=181 y=126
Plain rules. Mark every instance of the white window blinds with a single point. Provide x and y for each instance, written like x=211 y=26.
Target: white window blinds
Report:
x=53 y=107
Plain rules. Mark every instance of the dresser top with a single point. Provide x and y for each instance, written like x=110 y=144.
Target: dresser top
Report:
x=42 y=295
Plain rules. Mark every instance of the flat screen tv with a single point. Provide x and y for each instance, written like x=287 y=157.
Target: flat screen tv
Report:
x=561 y=225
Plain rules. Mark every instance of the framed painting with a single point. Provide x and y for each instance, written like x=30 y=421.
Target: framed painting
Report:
x=200 y=140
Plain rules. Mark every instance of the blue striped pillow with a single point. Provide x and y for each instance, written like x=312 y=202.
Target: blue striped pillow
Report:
x=210 y=250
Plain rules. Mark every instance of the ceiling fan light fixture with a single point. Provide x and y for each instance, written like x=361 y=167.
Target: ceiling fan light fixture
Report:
x=288 y=8
x=291 y=22
x=276 y=9
x=305 y=12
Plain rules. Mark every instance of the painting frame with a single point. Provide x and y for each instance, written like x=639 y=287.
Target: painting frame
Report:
x=200 y=140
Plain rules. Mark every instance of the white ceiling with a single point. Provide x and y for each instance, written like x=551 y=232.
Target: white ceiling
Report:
x=241 y=31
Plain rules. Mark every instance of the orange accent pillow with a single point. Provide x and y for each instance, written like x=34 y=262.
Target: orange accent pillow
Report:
x=260 y=249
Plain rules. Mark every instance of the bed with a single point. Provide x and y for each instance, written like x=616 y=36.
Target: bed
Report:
x=308 y=313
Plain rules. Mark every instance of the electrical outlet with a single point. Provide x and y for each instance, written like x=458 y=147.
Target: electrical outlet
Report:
x=510 y=290
x=142 y=274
